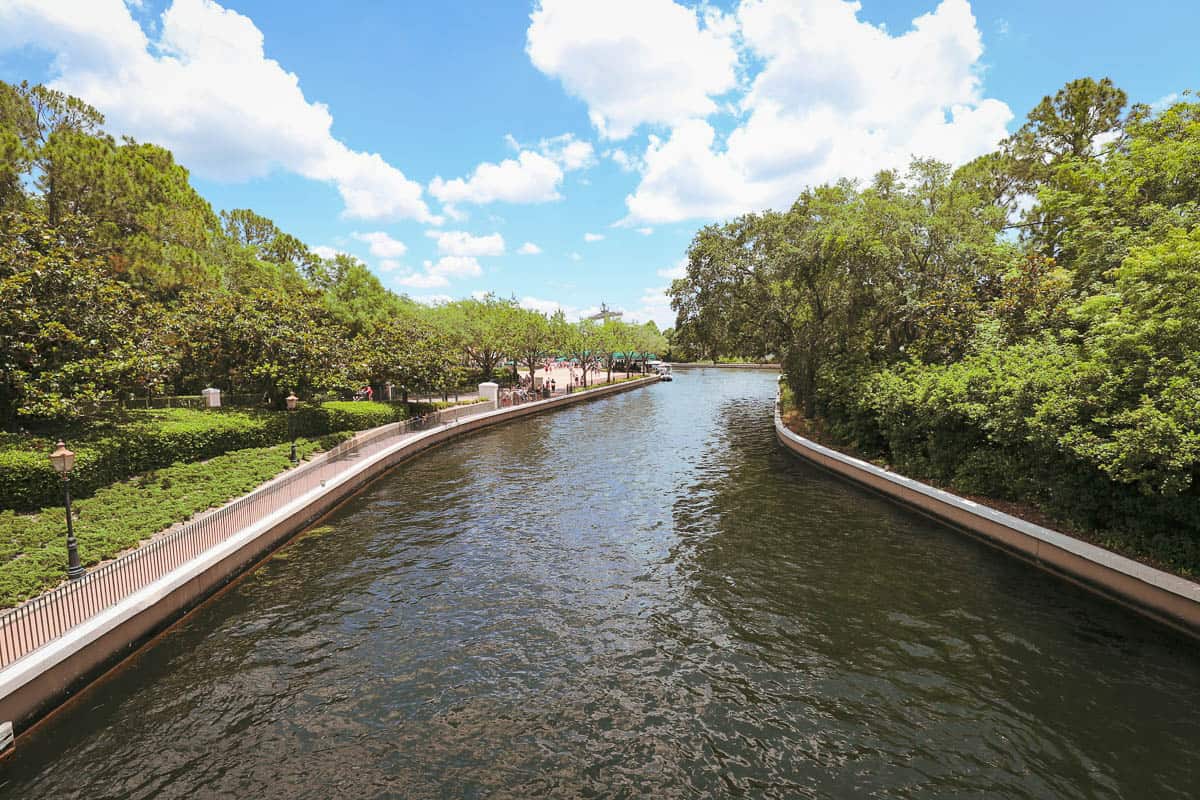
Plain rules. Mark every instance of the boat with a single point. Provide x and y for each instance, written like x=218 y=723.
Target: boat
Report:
x=662 y=368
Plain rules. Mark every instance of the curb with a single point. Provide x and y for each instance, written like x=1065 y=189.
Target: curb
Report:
x=1161 y=596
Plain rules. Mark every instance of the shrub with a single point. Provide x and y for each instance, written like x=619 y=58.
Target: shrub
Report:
x=152 y=439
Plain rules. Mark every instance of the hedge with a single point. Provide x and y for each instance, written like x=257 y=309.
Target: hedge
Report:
x=33 y=553
x=152 y=439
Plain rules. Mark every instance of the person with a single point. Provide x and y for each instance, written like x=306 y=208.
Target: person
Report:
x=370 y=393
x=553 y=386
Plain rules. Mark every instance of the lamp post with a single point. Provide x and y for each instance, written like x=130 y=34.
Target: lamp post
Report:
x=63 y=460
x=291 y=407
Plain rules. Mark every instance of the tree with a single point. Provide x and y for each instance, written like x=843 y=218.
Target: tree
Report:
x=69 y=334
x=482 y=328
x=534 y=338
x=581 y=341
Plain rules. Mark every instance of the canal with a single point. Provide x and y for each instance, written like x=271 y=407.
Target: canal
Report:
x=639 y=596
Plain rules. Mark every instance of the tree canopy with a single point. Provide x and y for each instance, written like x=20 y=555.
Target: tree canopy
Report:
x=1024 y=325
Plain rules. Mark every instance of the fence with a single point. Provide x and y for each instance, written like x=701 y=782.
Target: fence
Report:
x=45 y=618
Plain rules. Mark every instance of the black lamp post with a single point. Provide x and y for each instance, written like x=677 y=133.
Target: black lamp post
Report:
x=291 y=407
x=63 y=460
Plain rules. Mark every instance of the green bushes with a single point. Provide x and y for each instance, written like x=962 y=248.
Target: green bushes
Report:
x=33 y=551
x=153 y=439
x=1008 y=422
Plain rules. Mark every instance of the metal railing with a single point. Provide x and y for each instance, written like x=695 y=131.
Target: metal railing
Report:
x=44 y=618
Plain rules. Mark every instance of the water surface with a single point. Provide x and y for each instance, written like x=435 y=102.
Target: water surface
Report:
x=639 y=596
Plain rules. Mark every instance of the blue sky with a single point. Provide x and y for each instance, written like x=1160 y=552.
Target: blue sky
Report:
x=436 y=141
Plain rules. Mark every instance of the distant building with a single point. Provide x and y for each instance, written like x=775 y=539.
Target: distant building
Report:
x=606 y=313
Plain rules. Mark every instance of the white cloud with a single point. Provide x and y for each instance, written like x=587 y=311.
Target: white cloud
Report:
x=437 y=275
x=456 y=267
x=381 y=245
x=433 y=299
x=204 y=88
x=634 y=61
x=547 y=307
x=575 y=257
x=836 y=97
x=624 y=160
x=679 y=270
x=534 y=176
x=461 y=243
x=325 y=251
x=593 y=237
x=824 y=95
x=529 y=249
x=529 y=178
x=568 y=152
x=645 y=231
x=655 y=305
x=1165 y=102
x=390 y=265
x=423 y=280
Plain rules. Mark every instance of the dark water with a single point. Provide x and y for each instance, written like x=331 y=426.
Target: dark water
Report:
x=642 y=596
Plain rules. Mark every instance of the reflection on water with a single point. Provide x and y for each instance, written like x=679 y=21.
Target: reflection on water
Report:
x=639 y=596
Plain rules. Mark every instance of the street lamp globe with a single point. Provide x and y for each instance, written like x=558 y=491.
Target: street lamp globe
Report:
x=62 y=459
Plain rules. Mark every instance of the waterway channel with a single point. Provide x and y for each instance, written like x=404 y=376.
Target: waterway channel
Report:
x=639 y=596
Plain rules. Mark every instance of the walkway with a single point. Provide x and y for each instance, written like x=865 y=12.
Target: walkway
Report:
x=39 y=621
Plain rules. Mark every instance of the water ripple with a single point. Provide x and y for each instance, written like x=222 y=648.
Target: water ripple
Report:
x=641 y=596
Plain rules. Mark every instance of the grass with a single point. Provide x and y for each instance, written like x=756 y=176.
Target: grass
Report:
x=33 y=551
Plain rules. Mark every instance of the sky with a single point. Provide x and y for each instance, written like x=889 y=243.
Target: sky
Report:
x=564 y=152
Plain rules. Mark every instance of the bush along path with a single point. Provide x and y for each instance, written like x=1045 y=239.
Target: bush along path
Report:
x=33 y=551
x=153 y=439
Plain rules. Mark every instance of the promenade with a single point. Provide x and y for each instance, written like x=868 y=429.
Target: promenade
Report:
x=48 y=616
x=61 y=638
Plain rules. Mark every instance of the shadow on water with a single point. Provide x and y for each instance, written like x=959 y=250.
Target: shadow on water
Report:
x=640 y=596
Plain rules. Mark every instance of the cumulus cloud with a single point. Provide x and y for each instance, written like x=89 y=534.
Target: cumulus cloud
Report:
x=534 y=176
x=204 y=88
x=529 y=249
x=593 y=237
x=461 y=243
x=381 y=245
x=824 y=95
x=433 y=299
x=676 y=271
x=548 y=307
x=654 y=304
x=438 y=274
x=624 y=160
x=575 y=257
x=634 y=61
x=568 y=152
x=325 y=251
x=528 y=178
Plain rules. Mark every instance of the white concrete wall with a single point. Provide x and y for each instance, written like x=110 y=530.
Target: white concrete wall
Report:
x=1164 y=597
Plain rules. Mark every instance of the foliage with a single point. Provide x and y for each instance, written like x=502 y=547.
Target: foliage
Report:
x=152 y=439
x=33 y=551
x=1058 y=367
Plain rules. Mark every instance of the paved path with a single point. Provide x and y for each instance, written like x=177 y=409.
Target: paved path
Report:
x=50 y=615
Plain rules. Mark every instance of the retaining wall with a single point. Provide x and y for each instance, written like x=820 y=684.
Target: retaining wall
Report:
x=696 y=365
x=1164 y=597
x=34 y=685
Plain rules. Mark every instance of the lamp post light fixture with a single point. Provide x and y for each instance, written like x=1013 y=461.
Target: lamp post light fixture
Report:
x=291 y=407
x=63 y=460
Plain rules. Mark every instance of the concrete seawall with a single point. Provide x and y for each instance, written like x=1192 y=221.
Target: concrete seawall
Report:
x=1159 y=595
x=692 y=365
x=47 y=677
